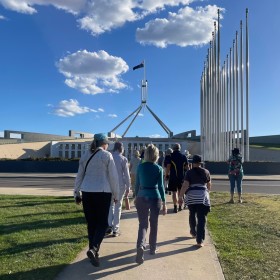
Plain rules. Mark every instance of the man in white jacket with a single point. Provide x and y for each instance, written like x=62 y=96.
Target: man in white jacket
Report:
x=121 y=163
x=97 y=179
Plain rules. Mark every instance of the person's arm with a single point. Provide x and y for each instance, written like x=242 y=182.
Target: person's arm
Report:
x=167 y=171
x=113 y=178
x=184 y=188
x=78 y=181
x=162 y=192
x=126 y=178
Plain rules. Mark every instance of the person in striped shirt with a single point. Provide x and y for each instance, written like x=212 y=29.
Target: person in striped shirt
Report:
x=197 y=185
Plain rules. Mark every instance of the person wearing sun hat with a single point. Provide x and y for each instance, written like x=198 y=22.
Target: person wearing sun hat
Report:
x=97 y=180
x=197 y=184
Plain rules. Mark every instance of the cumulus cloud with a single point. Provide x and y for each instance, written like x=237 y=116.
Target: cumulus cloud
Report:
x=112 y=116
x=70 y=108
x=98 y=16
x=188 y=27
x=93 y=72
x=27 y=6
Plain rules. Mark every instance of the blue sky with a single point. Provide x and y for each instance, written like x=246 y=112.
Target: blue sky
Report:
x=67 y=64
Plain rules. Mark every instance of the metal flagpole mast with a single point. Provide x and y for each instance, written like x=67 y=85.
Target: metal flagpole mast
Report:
x=241 y=88
x=247 y=89
x=237 y=89
x=230 y=99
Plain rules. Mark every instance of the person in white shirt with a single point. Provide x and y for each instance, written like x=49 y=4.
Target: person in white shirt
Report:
x=97 y=180
x=121 y=163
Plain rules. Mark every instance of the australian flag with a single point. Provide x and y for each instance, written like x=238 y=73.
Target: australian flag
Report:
x=139 y=66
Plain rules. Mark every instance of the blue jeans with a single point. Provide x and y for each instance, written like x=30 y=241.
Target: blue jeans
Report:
x=235 y=180
x=145 y=206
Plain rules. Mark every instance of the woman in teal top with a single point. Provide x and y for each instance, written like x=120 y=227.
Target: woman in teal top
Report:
x=150 y=196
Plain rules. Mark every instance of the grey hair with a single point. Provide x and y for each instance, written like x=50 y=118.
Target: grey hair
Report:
x=151 y=153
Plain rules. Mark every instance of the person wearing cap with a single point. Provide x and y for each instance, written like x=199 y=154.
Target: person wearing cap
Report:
x=150 y=197
x=177 y=165
x=133 y=165
x=121 y=163
x=97 y=180
x=197 y=185
x=235 y=174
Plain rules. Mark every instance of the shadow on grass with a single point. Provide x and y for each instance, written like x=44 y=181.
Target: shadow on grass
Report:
x=37 y=225
x=45 y=273
x=33 y=201
x=38 y=245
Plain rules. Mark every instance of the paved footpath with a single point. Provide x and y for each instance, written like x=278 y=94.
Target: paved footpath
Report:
x=178 y=257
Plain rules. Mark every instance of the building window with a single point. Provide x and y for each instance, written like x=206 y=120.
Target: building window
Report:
x=72 y=154
x=73 y=147
x=66 y=154
x=79 y=154
x=60 y=154
x=60 y=147
x=66 y=146
x=79 y=146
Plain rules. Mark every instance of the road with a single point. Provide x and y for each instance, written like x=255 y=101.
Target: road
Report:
x=64 y=186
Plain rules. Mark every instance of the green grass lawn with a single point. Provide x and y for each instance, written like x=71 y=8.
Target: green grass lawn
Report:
x=38 y=236
x=247 y=235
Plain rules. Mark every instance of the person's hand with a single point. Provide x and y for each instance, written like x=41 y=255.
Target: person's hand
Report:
x=164 y=209
x=77 y=197
x=180 y=200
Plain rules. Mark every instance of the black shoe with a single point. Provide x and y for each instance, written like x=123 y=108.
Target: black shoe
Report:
x=180 y=208
x=140 y=255
x=175 y=209
x=109 y=231
x=94 y=257
x=116 y=234
x=154 y=251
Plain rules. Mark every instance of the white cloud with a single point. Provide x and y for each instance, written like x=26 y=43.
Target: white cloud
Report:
x=155 y=136
x=188 y=27
x=70 y=108
x=2 y=17
x=27 y=6
x=112 y=116
x=98 y=16
x=93 y=72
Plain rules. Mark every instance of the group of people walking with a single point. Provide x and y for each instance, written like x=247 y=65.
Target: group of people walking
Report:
x=105 y=178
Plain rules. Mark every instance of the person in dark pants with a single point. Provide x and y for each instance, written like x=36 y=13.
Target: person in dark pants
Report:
x=197 y=184
x=150 y=196
x=177 y=165
x=97 y=179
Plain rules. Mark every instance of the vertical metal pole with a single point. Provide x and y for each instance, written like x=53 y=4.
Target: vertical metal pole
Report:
x=230 y=99
x=247 y=89
x=241 y=88
x=237 y=90
x=219 y=93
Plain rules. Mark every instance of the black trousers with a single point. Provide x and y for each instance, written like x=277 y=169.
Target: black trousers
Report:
x=96 y=209
x=197 y=220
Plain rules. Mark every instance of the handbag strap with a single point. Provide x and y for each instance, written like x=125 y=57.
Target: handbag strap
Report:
x=90 y=159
